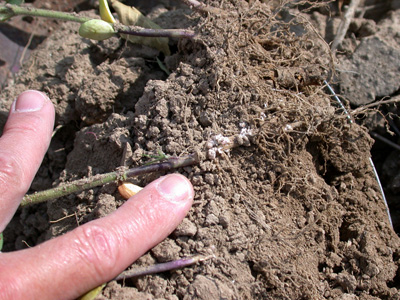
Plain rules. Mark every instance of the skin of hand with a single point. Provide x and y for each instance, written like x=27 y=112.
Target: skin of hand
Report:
x=68 y=266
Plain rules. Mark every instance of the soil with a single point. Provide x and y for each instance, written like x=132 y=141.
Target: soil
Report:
x=22 y=34
x=293 y=212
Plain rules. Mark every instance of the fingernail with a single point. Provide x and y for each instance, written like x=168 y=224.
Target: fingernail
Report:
x=29 y=101
x=174 y=188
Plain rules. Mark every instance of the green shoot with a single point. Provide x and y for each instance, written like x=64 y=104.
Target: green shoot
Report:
x=161 y=156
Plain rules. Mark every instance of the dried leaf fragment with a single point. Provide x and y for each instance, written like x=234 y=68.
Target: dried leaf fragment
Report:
x=129 y=15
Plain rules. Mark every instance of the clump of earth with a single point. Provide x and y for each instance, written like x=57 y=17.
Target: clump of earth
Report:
x=293 y=212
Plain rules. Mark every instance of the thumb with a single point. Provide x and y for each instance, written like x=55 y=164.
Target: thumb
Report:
x=23 y=144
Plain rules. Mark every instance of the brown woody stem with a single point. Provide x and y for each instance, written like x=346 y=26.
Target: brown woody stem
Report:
x=158 y=268
x=147 y=32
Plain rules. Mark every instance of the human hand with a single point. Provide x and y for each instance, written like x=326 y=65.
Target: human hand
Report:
x=94 y=253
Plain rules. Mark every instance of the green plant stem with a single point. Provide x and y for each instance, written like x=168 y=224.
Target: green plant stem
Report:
x=121 y=175
x=215 y=146
x=14 y=10
x=8 y=11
